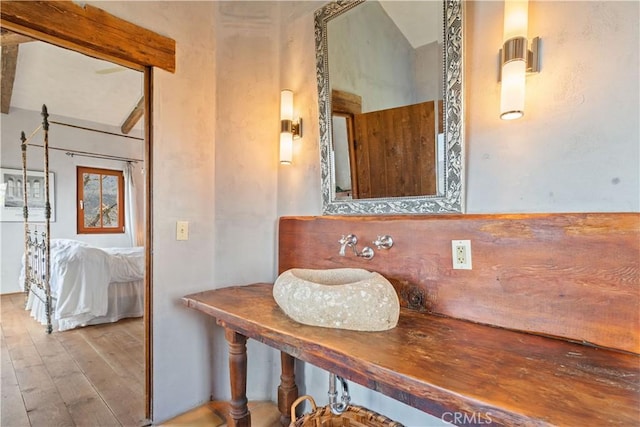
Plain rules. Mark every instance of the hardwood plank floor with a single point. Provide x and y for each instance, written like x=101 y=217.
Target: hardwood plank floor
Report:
x=86 y=377
x=214 y=414
x=92 y=376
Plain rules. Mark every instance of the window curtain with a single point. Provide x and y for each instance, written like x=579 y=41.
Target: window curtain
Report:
x=131 y=209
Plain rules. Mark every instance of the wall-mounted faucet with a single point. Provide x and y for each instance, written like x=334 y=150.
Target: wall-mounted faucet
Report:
x=351 y=240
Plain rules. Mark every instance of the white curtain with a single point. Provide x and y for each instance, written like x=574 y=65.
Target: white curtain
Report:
x=131 y=208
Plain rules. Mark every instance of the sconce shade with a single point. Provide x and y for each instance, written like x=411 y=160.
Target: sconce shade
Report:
x=514 y=59
x=286 y=105
x=286 y=148
x=512 y=90
x=289 y=129
x=286 y=134
x=516 y=19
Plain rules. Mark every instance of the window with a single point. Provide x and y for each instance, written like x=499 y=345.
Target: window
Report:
x=100 y=201
x=11 y=188
x=36 y=190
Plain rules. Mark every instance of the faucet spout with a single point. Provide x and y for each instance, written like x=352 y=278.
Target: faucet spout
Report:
x=349 y=240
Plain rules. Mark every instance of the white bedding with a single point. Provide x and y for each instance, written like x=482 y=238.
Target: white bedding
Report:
x=80 y=282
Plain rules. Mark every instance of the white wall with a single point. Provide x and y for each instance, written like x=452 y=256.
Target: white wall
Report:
x=247 y=126
x=299 y=183
x=64 y=169
x=577 y=147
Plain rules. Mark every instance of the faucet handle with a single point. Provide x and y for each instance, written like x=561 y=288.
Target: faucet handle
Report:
x=367 y=253
x=383 y=242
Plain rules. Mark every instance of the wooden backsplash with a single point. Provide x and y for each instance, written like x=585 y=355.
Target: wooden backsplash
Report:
x=574 y=276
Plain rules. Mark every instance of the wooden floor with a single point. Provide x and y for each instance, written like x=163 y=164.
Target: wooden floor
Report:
x=213 y=414
x=84 y=377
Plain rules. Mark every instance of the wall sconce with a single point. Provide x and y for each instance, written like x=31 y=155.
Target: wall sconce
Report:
x=516 y=59
x=289 y=130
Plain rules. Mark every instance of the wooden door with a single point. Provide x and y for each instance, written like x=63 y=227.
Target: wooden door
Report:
x=396 y=151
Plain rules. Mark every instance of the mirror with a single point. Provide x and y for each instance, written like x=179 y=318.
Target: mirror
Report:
x=390 y=120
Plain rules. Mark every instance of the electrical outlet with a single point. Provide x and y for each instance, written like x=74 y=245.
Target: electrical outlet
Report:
x=461 y=253
x=182 y=230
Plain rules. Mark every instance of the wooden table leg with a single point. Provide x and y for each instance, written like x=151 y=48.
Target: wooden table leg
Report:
x=287 y=390
x=238 y=410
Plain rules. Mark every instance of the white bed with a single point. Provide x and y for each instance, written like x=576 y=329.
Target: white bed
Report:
x=90 y=285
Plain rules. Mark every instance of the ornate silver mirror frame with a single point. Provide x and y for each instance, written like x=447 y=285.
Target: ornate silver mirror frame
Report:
x=452 y=201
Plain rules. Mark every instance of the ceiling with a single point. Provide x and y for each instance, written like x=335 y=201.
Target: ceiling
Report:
x=74 y=85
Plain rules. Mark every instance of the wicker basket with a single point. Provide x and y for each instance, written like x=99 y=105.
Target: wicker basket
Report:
x=353 y=416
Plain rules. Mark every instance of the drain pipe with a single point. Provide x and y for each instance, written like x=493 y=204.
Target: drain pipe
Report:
x=338 y=408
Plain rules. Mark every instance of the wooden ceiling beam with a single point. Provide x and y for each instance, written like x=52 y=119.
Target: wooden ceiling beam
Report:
x=133 y=117
x=9 y=63
x=90 y=30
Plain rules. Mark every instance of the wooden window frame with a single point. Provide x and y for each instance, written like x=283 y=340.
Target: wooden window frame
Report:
x=81 y=228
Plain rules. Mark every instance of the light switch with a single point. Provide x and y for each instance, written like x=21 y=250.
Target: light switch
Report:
x=182 y=230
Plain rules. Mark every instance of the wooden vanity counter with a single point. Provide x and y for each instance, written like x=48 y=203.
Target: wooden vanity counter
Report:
x=474 y=347
x=438 y=364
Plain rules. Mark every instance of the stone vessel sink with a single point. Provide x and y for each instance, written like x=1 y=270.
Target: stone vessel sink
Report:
x=344 y=298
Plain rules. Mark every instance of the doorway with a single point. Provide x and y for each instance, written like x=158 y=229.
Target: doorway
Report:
x=82 y=29
x=90 y=105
